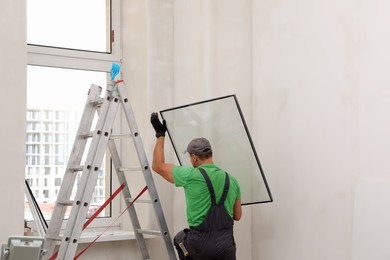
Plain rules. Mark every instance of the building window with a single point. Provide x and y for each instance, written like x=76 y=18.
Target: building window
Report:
x=48 y=127
x=60 y=149
x=46 y=148
x=60 y=127
x=57 y=182
x=47 y=138
x=63 y=62
x=48 y=115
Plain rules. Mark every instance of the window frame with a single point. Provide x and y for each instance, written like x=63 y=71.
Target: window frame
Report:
x=48 y=56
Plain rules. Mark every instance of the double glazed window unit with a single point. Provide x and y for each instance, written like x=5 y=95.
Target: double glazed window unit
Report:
x=71 y=45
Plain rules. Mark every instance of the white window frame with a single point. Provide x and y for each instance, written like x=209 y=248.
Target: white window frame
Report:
x=48 y=56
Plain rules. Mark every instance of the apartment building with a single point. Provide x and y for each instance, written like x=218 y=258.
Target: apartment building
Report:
x=49 y=139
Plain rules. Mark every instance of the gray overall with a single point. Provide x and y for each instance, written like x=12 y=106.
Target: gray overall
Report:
x=213 y=239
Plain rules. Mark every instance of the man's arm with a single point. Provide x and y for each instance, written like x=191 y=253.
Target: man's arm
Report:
x=237 y=210
x=158 y=164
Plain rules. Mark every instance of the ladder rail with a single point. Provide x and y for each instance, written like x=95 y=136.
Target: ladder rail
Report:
x=68 y=182
x=89 y=177
x=126 y=194
x=146 y=170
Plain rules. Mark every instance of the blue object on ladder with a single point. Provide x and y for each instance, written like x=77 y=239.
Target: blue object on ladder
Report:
x=115 y=68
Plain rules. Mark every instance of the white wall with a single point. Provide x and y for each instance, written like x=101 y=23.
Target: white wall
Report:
x=371 y=229
x=306 y=83
x=312 y=80
x=12 y=116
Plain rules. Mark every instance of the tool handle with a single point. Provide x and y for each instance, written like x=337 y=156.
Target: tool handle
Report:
x=184 y=249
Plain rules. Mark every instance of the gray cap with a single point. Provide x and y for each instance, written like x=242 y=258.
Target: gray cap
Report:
x=199 y=146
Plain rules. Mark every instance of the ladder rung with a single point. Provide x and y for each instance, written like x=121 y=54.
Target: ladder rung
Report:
x=138 y=200
x=65 y=202
x=129 y=169
x=86 y=135
x=53 y=237
x=76 y=168
x=119 y=136
x=149 y=232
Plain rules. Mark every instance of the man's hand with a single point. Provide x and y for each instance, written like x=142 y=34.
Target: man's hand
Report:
x=159 y=127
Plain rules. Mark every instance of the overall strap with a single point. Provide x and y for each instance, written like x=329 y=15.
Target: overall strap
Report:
x=211 y=189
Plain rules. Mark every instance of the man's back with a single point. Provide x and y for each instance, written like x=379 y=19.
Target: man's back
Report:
x=197 y=194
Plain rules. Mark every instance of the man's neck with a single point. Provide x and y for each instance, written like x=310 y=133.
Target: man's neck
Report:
x=206 y=161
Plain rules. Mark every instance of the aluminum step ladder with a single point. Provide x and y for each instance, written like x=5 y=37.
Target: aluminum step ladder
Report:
x=105 y=109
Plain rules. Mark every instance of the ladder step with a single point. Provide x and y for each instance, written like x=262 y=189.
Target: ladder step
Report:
x=149 y=232
x=129 y=169
x=86 y=135
x=76 y=168
x=119 y=136
x=53 y=237
x=139 y=201
x=65 y=202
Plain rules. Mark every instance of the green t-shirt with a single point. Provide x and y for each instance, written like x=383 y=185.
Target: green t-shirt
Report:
x=197 y=194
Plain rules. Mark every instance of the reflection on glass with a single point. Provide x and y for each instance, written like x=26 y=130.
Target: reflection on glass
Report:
x=55 y=103
x=222 y=123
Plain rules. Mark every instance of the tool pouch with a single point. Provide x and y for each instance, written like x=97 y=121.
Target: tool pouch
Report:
x=178 y=241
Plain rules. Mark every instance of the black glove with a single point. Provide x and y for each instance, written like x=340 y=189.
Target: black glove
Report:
x=160 y=128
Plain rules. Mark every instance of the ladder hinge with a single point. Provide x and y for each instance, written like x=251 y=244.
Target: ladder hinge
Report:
x=97 y=102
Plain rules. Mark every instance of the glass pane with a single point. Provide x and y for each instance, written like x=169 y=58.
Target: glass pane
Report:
x=73 y=24
x=222 y=123
x=55 y=102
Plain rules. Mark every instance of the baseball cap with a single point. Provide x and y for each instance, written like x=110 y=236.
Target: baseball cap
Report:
x=199 y=146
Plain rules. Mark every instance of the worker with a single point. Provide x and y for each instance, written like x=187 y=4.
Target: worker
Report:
x=213 y=199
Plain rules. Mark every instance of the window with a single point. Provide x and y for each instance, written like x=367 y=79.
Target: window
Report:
x=86 y=16
x=46 y=193
x=47 y=148
x=48 y=127
x=63 y=62
x=57 y=182
x=48 y=115
x=47 y=170
x=60 y=127
x=237 y=155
